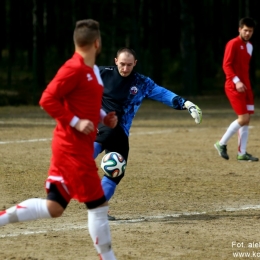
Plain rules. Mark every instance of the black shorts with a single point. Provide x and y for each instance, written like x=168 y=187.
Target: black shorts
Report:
x=113 y=140
x=55 y=195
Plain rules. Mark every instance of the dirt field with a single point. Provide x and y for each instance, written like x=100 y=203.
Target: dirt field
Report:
x=178 y=200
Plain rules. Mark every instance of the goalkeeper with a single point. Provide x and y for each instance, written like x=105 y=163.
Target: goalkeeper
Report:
x=124 y=91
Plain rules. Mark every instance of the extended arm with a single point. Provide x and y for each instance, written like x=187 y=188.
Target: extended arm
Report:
x=175 y=101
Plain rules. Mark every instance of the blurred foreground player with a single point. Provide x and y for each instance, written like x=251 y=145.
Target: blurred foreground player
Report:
x=73 y=99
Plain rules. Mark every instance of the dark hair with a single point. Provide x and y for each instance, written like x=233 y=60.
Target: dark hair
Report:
x=128 y=50
x=86 y=32
x=247 y=21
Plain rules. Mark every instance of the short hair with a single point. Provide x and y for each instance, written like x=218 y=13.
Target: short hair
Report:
x=86 y=32
x=128 y=50
x=248 y=22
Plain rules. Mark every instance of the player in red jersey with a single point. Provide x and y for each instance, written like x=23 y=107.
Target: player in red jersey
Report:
x=238 y=89
x=73 y=99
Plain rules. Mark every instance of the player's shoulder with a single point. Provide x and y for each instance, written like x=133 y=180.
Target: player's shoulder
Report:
x=143 y=78
x=144 y=81
x=74 y=64
x=140 y=76
x=235 y=41
x=107 y=68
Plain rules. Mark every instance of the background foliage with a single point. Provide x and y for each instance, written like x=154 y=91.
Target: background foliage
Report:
x=179 y=43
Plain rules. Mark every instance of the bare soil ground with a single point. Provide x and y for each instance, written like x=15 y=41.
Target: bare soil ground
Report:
x=179 y=199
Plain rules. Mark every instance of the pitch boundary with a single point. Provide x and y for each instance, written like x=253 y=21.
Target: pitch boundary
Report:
x=158 y=218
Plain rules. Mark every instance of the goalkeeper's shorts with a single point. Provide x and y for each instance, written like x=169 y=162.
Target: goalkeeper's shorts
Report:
x=113 y=140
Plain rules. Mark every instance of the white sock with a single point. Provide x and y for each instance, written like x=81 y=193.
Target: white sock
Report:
x=242 y=139
x=100 y=232
x=27 y=210
x=232 y=129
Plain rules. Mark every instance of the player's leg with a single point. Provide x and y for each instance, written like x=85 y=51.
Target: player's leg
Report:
x=238 y=104
x=242 y=145
x=117 y=142
x=231 y=130
x=103 y=134
x=243 y=132
x=99 y=231
x=97 y=207
x=27 y=210
x=97 y=149
x=221 y=145
x=34 y=208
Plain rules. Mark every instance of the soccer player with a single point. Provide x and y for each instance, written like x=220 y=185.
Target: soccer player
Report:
x=73 y=99
x=124 y=91
x=237 y=55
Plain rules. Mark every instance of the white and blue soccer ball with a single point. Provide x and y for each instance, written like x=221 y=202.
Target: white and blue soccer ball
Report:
x=113 y=164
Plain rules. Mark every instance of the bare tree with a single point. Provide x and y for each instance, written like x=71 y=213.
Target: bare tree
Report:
x=187 y=45
x=38 y=48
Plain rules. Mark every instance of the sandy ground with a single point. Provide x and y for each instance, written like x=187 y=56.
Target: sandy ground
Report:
x=178 y=200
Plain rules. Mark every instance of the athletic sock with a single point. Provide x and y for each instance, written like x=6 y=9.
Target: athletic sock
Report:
x=27 y=210
x=242 y=139
x=99 y=231
x=97 y=149
x=109 y=187
x=232 y=129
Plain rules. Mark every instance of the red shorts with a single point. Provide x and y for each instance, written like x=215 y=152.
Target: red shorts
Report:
x=75 y=175
x=241 y=102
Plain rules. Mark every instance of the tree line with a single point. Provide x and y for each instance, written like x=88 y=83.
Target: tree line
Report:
x=179 y=43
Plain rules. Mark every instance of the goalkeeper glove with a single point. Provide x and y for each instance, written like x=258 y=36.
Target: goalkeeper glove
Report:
x=194 y=111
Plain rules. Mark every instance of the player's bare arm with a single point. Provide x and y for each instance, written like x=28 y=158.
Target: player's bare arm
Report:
x=85 y=126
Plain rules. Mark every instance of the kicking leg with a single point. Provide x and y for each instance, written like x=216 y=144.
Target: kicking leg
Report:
x=97 y=149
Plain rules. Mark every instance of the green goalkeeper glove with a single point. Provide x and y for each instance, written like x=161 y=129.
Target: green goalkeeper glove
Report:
x=194 y=111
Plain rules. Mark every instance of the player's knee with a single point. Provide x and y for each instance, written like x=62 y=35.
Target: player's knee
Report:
x=244 y=120
x=56 y=203
x=54 y=208
x=56 y=214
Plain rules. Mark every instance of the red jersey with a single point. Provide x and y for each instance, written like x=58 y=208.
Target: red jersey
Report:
x=236 y=62
x=74 y=91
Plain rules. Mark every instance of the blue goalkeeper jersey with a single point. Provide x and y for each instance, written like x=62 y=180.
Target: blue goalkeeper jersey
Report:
x=124 y=95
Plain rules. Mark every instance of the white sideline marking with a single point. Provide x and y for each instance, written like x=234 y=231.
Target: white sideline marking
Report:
x=26 y=141
x=137 y=133
x=153 y=132
x=49 y=139
x=127 y=221
x=28 y=123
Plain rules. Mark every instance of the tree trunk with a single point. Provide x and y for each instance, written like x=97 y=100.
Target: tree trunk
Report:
x=188 y=48
x=38 y=49
x=156 y=40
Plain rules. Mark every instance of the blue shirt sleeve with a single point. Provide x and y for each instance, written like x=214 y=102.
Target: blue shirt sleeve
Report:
x=143 y=87
x=164 y=95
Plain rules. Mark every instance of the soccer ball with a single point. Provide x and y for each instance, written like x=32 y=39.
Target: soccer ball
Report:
x=113 y=164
